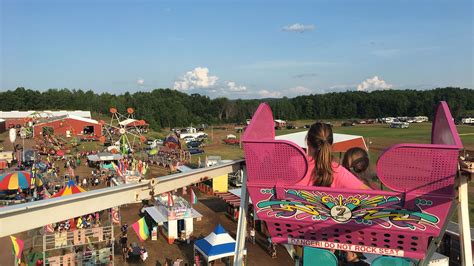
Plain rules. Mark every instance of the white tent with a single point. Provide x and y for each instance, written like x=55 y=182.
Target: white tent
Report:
x=341 y=143
x=218 y=244
x=104 y=156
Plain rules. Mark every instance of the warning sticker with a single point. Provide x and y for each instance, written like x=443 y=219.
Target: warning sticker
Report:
x=346 y=247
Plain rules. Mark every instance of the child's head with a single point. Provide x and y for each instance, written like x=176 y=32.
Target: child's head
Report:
x=319 y=140
x=356 y=160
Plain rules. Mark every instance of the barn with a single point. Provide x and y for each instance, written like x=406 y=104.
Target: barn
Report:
x=69 y=126
x=19 y=118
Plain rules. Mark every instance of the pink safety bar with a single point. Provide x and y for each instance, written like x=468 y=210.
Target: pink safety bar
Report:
x=400 y=223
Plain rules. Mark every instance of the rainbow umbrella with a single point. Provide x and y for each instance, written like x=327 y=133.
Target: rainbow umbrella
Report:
x=15 y=180
x=69 y=189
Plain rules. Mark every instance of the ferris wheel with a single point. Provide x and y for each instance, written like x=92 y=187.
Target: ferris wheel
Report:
x=122 y=131
x=37 y=117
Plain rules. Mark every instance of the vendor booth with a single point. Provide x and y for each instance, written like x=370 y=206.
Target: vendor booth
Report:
x=217 y=245
x=175 y=216
x=104 y=157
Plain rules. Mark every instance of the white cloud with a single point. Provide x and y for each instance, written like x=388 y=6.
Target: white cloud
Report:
x=374 y=83
x=140 y=82
x=297 y=27
x=197 y=78
x=269 y=94
x=232 y=87
x=300 y=90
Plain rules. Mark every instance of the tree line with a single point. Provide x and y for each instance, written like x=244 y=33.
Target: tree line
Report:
x=170 y=108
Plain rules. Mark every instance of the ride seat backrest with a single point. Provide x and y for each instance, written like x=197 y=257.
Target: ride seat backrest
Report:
x=316 y=256
x=274 y=163
x=444 y=130
x=419 y=169
x=269 y=161
x=261 y=126
x=391 y=261
x=424 y=168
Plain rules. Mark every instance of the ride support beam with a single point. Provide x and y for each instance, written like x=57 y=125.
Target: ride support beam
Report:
x=22 y=217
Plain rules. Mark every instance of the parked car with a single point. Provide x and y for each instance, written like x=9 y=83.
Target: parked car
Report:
x=189 y=139
x=202 y=135
x=348 y=124
x=195 y=151
x=232 y=141
x=194 y=144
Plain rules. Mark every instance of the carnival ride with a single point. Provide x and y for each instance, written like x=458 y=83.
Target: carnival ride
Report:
x=38 y=117
x=123 y=137
x=53 y=145
x=171 y=154
x=408 y=221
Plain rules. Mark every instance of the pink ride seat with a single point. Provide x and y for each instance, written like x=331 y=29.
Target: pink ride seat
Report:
x=397 y=223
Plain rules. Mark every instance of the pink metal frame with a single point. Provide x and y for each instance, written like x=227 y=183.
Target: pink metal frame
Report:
x=398 y=223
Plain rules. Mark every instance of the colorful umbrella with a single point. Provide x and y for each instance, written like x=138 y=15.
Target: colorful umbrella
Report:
x=14 y=180
x=69 y=189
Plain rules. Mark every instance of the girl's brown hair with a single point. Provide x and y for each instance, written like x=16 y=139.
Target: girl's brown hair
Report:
x=320 y=138
x=356 y=160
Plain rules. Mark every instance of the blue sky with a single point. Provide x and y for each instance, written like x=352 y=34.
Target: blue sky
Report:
x=236 y=49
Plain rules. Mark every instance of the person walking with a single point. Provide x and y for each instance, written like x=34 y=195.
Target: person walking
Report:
x=252 y=235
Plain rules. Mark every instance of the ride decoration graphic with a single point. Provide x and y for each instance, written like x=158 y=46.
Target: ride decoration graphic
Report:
x=386 y=211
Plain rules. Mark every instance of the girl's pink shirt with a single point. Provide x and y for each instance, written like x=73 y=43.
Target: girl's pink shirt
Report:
x=342 y=178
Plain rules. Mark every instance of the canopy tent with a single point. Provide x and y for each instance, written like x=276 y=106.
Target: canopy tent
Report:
x=218 y=244
x=15 y=180
x=160 y=217
x=69 y=189
x=341 y=143
x=133 y=123
x=172 y=141
x=104 y=156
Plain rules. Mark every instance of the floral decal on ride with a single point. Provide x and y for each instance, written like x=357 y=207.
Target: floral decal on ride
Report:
x=386 y=211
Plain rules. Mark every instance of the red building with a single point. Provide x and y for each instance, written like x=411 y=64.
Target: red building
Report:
x=69 y=126
x=20 y=118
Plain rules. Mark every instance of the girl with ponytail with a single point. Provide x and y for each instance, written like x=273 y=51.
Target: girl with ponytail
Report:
x=323 y=171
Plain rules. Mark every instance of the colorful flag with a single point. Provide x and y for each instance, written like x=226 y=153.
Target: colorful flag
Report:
x=71 y=172
x=170 y=200
x=121 y=166
x=49 y=228
x=117 y=169
x=141 y=229
x=17 y=247
x=194 y=199
x=115 y=215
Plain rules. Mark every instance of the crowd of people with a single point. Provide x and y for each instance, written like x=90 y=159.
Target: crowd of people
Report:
x=170 y=157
